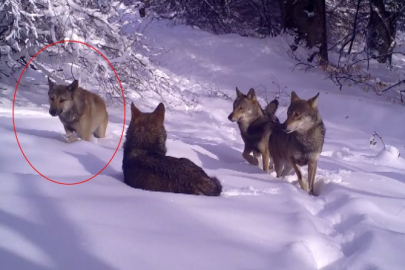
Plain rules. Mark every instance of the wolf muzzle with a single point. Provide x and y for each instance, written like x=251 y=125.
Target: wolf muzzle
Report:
x=230 y=117
x=285 y=129
x=53 y=112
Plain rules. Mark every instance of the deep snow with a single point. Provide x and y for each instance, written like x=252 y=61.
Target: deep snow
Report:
x=259 y=222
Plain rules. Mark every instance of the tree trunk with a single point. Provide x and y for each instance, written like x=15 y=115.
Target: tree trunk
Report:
x=145 y=5
x=381 y=32
x=354 y=26
x=308 y=19
x=323 y=49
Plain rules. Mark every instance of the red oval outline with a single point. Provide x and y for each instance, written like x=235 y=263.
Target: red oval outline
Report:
x=123 y=125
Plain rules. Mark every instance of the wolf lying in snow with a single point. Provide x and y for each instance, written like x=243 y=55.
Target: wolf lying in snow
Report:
x=146 y=165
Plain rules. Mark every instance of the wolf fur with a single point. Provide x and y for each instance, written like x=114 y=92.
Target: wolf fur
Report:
x=146 y=165
x=79 y=110
x=255 y=126
x=299 y=140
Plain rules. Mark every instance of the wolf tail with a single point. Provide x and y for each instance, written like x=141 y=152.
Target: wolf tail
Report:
x=211 y=187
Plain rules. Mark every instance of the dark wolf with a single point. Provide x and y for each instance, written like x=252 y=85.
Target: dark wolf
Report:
x=79 y=110
x=146 y=165
x=255 y=126
x=299 y=140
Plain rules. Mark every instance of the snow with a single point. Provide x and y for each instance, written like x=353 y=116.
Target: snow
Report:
x=259 y=221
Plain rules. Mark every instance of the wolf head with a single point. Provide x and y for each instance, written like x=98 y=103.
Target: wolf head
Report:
x=61 y=97
x=146 y=131
x=245 y=107
x=302 y=115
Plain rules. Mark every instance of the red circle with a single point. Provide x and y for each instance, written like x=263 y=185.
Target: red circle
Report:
x=123 y=125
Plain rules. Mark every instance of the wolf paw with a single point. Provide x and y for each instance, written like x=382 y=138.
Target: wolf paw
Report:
x=71 y=138
x=252 y=161
x=255 y=162
x=304 y=186
x=312 y=192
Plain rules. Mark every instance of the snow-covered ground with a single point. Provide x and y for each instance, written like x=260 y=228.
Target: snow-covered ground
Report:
x=259 y=221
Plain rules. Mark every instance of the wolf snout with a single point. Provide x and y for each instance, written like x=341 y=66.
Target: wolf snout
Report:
x=53 y=112
x=230 y=117
x=285 y=128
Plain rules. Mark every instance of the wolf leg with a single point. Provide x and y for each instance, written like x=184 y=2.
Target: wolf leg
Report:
x=277 y=166
x=86 y=136
x=101 y=130
x=299 y=175
x=287 y=169
x=266 y=160
x=312 y=166
x=84 y=132
x=70 y=136
x=248 y=157
x=257 y=155
x=271 y=163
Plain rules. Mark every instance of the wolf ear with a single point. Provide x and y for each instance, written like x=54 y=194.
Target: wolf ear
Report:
x=238 y=93
x=73 y=86
x=313 y=102
x=294 y=97
x=50 y=83
x=160 y=112
x=251 y=94
x=272 y=107
x=134 y=111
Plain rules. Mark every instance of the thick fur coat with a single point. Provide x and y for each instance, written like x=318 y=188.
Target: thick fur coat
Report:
x=146 y=165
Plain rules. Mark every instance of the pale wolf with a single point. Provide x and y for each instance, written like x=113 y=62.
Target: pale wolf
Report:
x=79 y=110
x=146 y=165
x=299 y=140
x=255 y=126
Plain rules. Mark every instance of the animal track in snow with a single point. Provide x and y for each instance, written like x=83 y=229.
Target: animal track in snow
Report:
x=249 y=191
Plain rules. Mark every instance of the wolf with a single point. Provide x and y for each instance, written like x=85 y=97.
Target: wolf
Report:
x=79 y=110
x=255 y=126
x=146 y=166
x=299 y=140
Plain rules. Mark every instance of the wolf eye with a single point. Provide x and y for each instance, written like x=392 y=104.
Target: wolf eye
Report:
x=51 y=98
x=61 y=100
x=297 y=114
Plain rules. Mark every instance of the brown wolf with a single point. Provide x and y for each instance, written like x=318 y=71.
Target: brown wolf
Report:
x=255 y=126
x=146 y=165
x=299 y=140
x=79 y=110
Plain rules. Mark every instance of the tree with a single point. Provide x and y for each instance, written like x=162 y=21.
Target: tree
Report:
x=381 y=32
x=258 y=18
x=307 y=18
x=26 y=26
